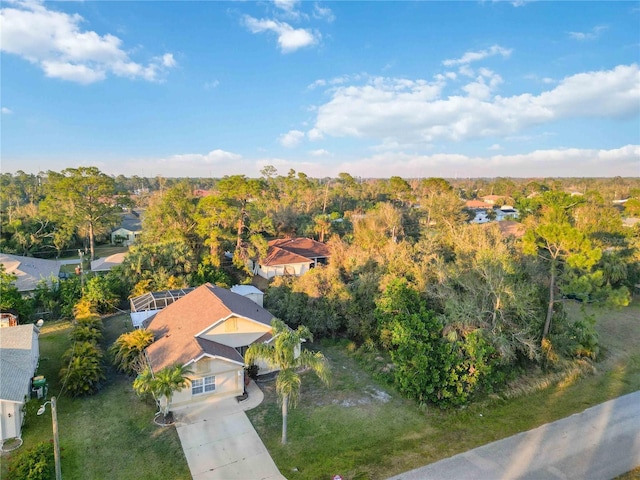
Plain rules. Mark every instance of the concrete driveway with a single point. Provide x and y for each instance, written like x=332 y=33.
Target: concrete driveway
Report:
x=600 y=443
x=220 y=442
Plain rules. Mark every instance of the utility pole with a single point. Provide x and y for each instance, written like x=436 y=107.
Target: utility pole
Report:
x=56 y=440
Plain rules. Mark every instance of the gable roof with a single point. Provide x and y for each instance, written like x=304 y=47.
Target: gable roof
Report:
x=294 y=250
x=131 y=221
x=29 y=270
x=175 y=327
x=477 y=204
x=17 y=350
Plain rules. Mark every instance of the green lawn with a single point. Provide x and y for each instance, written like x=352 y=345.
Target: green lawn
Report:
x=354 y=430
x=110 y=435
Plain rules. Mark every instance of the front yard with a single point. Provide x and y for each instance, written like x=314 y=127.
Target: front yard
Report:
x=108 y=435
x=357 y=427
x=361 y=429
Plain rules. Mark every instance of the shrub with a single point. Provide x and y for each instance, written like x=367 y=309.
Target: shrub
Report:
x=83 y=371
x=37 y=463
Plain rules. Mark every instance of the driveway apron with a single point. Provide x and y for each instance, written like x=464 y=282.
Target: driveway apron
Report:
x=220 y=442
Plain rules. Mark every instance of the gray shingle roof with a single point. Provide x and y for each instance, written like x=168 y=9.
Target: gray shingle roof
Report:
x=29 y=270
x=18 y=361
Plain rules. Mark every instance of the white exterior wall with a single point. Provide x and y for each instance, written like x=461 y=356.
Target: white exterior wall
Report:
x=10 y=419
x=122 y=232
x=296 y=269
x=229 y=381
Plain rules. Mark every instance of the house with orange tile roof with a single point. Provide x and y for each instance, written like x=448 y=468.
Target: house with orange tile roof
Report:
x=291 y=256
x=477 y=204
x=208 y=329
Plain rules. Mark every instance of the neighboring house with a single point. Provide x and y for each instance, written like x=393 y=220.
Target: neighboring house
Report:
x=19 y=353
x=505 y=212
x=129 y=230
x=477 y=204
x=107 y=263
x=291 y=256
x=29 y=270
x=493 y=199
x=209 y=330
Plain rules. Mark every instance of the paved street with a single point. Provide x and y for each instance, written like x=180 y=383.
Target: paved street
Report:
x=597 y=444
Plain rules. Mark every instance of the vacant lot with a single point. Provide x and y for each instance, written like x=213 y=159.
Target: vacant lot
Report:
x=360 y=429
x=108 y=435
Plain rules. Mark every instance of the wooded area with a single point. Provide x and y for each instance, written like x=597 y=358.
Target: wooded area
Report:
x=458 y=307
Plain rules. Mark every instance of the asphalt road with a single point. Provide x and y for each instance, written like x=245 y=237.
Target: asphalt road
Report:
x=598 y=444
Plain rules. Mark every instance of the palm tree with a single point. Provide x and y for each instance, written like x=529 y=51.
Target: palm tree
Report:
x=162 y=384
x=280 y=354
x=128 y=350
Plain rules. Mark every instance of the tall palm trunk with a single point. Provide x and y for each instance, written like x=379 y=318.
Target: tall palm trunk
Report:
x=285 y=411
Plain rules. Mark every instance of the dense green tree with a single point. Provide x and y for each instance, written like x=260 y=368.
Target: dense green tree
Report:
x=423 y=360
x=281 y=355
x=128 y=350
x=171 y=218
x=486 y=288
x=82 y=199
x=558 y=243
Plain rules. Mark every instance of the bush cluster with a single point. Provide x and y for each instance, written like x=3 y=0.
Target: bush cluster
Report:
x=83 y=370
x=36 y=463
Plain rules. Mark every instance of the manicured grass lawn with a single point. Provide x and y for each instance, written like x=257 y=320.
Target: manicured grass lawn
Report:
x=354 y=430
x=108 y=435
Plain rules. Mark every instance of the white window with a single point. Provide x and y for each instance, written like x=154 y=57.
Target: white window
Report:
x=202 y=385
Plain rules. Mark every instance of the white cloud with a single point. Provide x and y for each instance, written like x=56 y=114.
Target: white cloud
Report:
x=555 y=162
x=6 y=111
x=289 y=39
x=319 y=153
x=495 y=147
x=591 y=35
x=315 y=134
x=323 y=13
x=286 y=5
x=469 y=57
x=322 y=82
x=211 y=85
x=414 y=111
x=291 y=139
x=168 y=60
x=213 y=157
x=56 y=43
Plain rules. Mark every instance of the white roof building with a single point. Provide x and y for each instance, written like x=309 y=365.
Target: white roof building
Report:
x=29 y=270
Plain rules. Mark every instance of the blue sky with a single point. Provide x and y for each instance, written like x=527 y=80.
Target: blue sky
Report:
x=416 y=89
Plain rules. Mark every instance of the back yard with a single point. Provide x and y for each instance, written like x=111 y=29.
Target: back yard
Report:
x=361 y=429
x=108 y=435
